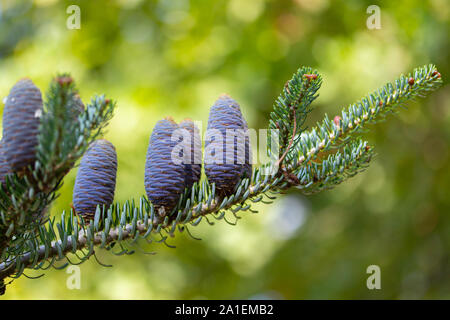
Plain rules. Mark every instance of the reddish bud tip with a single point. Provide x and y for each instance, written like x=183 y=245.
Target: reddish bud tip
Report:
x=64 y=80
x=224 y=96
x=337 y=120
x=311 y=76
x=436 y=73
x=411 y=81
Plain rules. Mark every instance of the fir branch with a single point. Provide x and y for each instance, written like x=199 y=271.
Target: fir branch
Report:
x=346 y=163
x=292 y=107
x=369 y=110
x=125 y=224
x=140 y=222
x=64 y=136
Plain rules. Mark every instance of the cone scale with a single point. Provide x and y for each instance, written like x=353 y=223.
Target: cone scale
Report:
x=5 y=168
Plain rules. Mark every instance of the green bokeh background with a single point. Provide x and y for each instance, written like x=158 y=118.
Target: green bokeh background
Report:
x=174 y=57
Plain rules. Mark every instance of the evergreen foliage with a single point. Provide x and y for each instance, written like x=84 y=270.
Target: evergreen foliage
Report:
x=312 y=160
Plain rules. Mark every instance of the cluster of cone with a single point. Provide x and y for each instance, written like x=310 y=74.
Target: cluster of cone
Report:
x=166 y=178
x=173 y=163
x=95 y=183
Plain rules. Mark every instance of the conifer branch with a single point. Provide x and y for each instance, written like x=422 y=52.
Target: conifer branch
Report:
x=369 y=110
x=64 y=134
x=293 y=106
x=315 y=160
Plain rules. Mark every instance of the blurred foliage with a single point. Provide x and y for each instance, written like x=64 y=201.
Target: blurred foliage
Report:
x=174 y=57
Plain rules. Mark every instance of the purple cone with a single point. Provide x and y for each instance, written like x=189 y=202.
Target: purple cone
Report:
x=227 y=152
x=96 y=179
x=21 y=119
x=164 y=176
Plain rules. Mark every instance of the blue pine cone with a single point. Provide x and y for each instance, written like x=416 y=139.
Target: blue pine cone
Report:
x=21 y=119
x=227 y=152
x=164 y=176
x=5 y=168
x=96 y=179
x=193 y=158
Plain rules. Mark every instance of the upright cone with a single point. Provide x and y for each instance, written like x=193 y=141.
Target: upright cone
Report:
x=164 y=175
x=227 y=152
x=96 y=179
x=21 y=119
